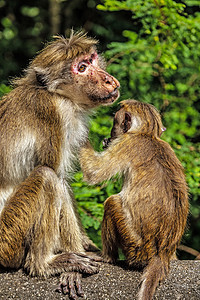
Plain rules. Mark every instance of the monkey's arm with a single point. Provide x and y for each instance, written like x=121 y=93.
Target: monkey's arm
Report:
x=100 y=166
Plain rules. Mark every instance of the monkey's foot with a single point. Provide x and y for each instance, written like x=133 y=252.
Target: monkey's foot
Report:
x=109 y=260
x=78 y=262
x=70 y=284
x=90 y=247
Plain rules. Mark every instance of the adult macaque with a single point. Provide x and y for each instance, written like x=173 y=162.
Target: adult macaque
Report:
x=43 y=123
x=148 y=217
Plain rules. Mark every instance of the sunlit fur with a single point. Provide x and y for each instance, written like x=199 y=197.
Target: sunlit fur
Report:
x=148 y=217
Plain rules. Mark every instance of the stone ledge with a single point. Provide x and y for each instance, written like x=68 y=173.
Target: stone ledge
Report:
x=111 y=283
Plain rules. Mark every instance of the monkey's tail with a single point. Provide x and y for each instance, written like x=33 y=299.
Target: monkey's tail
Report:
x=156 y=270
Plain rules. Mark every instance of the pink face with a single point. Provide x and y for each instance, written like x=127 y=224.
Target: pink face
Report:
x=98 y=84
x=84 y=63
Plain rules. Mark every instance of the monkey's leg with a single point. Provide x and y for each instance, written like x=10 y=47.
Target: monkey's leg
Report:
x=109 y=233
x=29 y=228
x=77 y=233
x=27 y=212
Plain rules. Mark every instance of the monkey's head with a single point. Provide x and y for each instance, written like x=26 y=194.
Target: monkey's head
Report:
x=71 y=67
x=136 y=117
x=96 y=84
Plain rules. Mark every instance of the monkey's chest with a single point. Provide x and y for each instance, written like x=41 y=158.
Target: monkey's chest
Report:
x=74 y=135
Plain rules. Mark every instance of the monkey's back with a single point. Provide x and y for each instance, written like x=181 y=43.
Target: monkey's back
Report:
x=156 y=198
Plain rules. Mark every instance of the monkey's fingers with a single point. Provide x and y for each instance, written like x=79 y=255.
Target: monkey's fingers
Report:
x=93 y=256
x=106 y=143
x=70 y=284
x=62 y=287
x=79 y=286
x=88 y=267
x=75 y=286
x=87 y=264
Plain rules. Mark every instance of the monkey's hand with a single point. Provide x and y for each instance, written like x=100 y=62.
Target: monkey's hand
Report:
x=106 y=143
x=70 y=284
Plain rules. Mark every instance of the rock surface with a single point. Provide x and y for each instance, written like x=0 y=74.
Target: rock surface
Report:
x=111 y=283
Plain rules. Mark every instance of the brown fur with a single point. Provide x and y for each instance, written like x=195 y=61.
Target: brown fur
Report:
x=43 y=123
x=148 y=217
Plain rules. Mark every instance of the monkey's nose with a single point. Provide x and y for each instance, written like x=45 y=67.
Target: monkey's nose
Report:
x=111 y=82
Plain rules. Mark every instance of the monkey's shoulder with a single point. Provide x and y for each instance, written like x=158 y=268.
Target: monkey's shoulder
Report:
x=27 y=99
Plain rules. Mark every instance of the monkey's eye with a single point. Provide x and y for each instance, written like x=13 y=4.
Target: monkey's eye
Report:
x=82 y=68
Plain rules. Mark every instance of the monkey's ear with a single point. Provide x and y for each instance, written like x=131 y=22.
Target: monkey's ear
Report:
x=127 y=122
x=40 y=77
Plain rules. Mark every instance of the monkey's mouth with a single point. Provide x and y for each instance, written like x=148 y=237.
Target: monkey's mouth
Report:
x=110 y=98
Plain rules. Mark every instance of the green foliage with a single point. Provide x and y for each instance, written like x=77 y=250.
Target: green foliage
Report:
x=21 y=28
x=4 y=89
x=90 y=206
x=160 y=57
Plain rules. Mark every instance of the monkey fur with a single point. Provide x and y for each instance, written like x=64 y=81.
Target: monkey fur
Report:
x=43 y=123
x=148 y=217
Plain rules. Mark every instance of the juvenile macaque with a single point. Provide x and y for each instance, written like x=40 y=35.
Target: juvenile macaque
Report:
x=43 y=123
x=147 y=218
